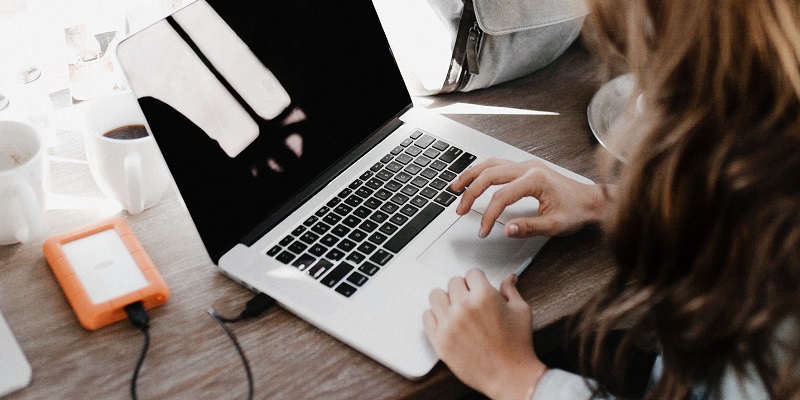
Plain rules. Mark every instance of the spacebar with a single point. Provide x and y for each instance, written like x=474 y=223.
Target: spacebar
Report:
x=413 y=227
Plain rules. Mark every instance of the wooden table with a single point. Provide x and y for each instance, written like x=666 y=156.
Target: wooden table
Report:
x=189 y=355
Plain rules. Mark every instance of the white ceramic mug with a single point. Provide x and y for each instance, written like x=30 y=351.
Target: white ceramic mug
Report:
x=21 y=183
x=130 y=171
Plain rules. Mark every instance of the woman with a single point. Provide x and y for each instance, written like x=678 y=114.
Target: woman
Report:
x=703 y=218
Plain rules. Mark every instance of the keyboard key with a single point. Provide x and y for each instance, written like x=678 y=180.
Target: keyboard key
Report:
x=451 y=154
x=345 y=192
x=319 y=268
x=403 y=177
x=354 y=201
x=383 y=194
x=335 y=255
x=321 y=228
x=273 y=251
x=376 y=167
x=381 y=257
x=389 y=208
x=297 y=247
x=286 y=241
x=429 y=173
x=285 y=257
x=318 y=250
x=425 y=141
x=311 y=220
x=346 y=245
x=340 y=230
x=309 y=237
x=431 y=153
x=438 y=184
x=374 y=183
x=407 y=142
x=413 y=150
x=428 y=192
x=419 y=201
x=333 y=202
x=386 y=158
x=357 y=235
x=419 y=182
x=409 y=210
x=422 y=161
x=378 y=217
x=404 y=158
x=412 y=169
x=397 y=150
x=398 y=219
x=297 y=231
x=367 y=248
x=351 y=221
x=304 y=262
x=369 y=268
x=355 y=184
x=364 y=192
x=413 y=227
x=356 y=257
x=409 y=190
x=322 y=211
x=362 y=212
x=368 y=226
x=337 y=274
x=438 y=165
x=388 y=228
x=399 y=198
x=329 y=240
x=444 y=198
x=373 y=203
x=417 y=133
x=342 y=209
x=447 y=175
x=377 y=238
x=393 y=186
x=462 y=163
x=384 y=174
x=441 y=145
x=394 y=166
x=331 y=219
x=367 y=174
x=345 y=290
x=357 y=279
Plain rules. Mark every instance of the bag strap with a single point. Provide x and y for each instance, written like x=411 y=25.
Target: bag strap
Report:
x=456 y=74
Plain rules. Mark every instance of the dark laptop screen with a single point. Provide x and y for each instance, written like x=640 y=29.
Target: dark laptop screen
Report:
x=333 y=60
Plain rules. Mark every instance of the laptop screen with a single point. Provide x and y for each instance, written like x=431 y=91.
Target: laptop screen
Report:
x=333 y=61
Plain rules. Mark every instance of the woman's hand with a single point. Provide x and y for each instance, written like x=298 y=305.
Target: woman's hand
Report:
x=485 y=335
x=565 y=205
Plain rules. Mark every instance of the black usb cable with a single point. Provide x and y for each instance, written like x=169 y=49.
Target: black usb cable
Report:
x=254 y=308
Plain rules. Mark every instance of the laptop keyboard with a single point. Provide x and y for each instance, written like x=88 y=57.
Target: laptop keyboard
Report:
x=358 y=231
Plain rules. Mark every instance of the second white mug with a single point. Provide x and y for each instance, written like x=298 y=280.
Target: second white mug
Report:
x=123 y=156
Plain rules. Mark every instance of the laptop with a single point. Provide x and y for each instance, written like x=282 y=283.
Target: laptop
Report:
x=16 y=372
x=307 y=172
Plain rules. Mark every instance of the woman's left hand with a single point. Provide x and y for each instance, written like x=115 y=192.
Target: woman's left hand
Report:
x=485 y=335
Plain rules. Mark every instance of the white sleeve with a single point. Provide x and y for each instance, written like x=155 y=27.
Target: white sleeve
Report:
x=556 y=384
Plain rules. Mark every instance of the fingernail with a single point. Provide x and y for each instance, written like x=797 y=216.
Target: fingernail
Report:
x=482 y=233
x=513 y=230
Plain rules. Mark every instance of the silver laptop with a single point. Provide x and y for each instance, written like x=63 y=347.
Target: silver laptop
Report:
x=309 y=174
x=16 y=372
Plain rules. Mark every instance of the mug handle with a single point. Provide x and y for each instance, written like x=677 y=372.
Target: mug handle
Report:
x=134 y=181
x=26 y=221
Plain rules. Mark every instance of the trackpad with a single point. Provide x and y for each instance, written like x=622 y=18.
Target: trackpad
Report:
x=460 y=249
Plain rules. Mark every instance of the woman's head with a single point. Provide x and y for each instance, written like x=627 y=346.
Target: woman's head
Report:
x=707 y=221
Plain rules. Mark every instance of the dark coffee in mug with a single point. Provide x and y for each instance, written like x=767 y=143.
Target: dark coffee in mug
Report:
x=135 y=131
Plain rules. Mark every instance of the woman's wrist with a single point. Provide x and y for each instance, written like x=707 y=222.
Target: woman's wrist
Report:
x=520 y=383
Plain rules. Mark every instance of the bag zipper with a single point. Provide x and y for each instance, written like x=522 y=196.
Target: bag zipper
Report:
x=464 y=62
x=473 y=43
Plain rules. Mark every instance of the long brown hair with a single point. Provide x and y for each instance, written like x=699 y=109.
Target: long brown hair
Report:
x=706 y=219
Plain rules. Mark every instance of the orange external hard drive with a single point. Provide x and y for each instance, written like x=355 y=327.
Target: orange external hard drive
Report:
x=102 y=268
